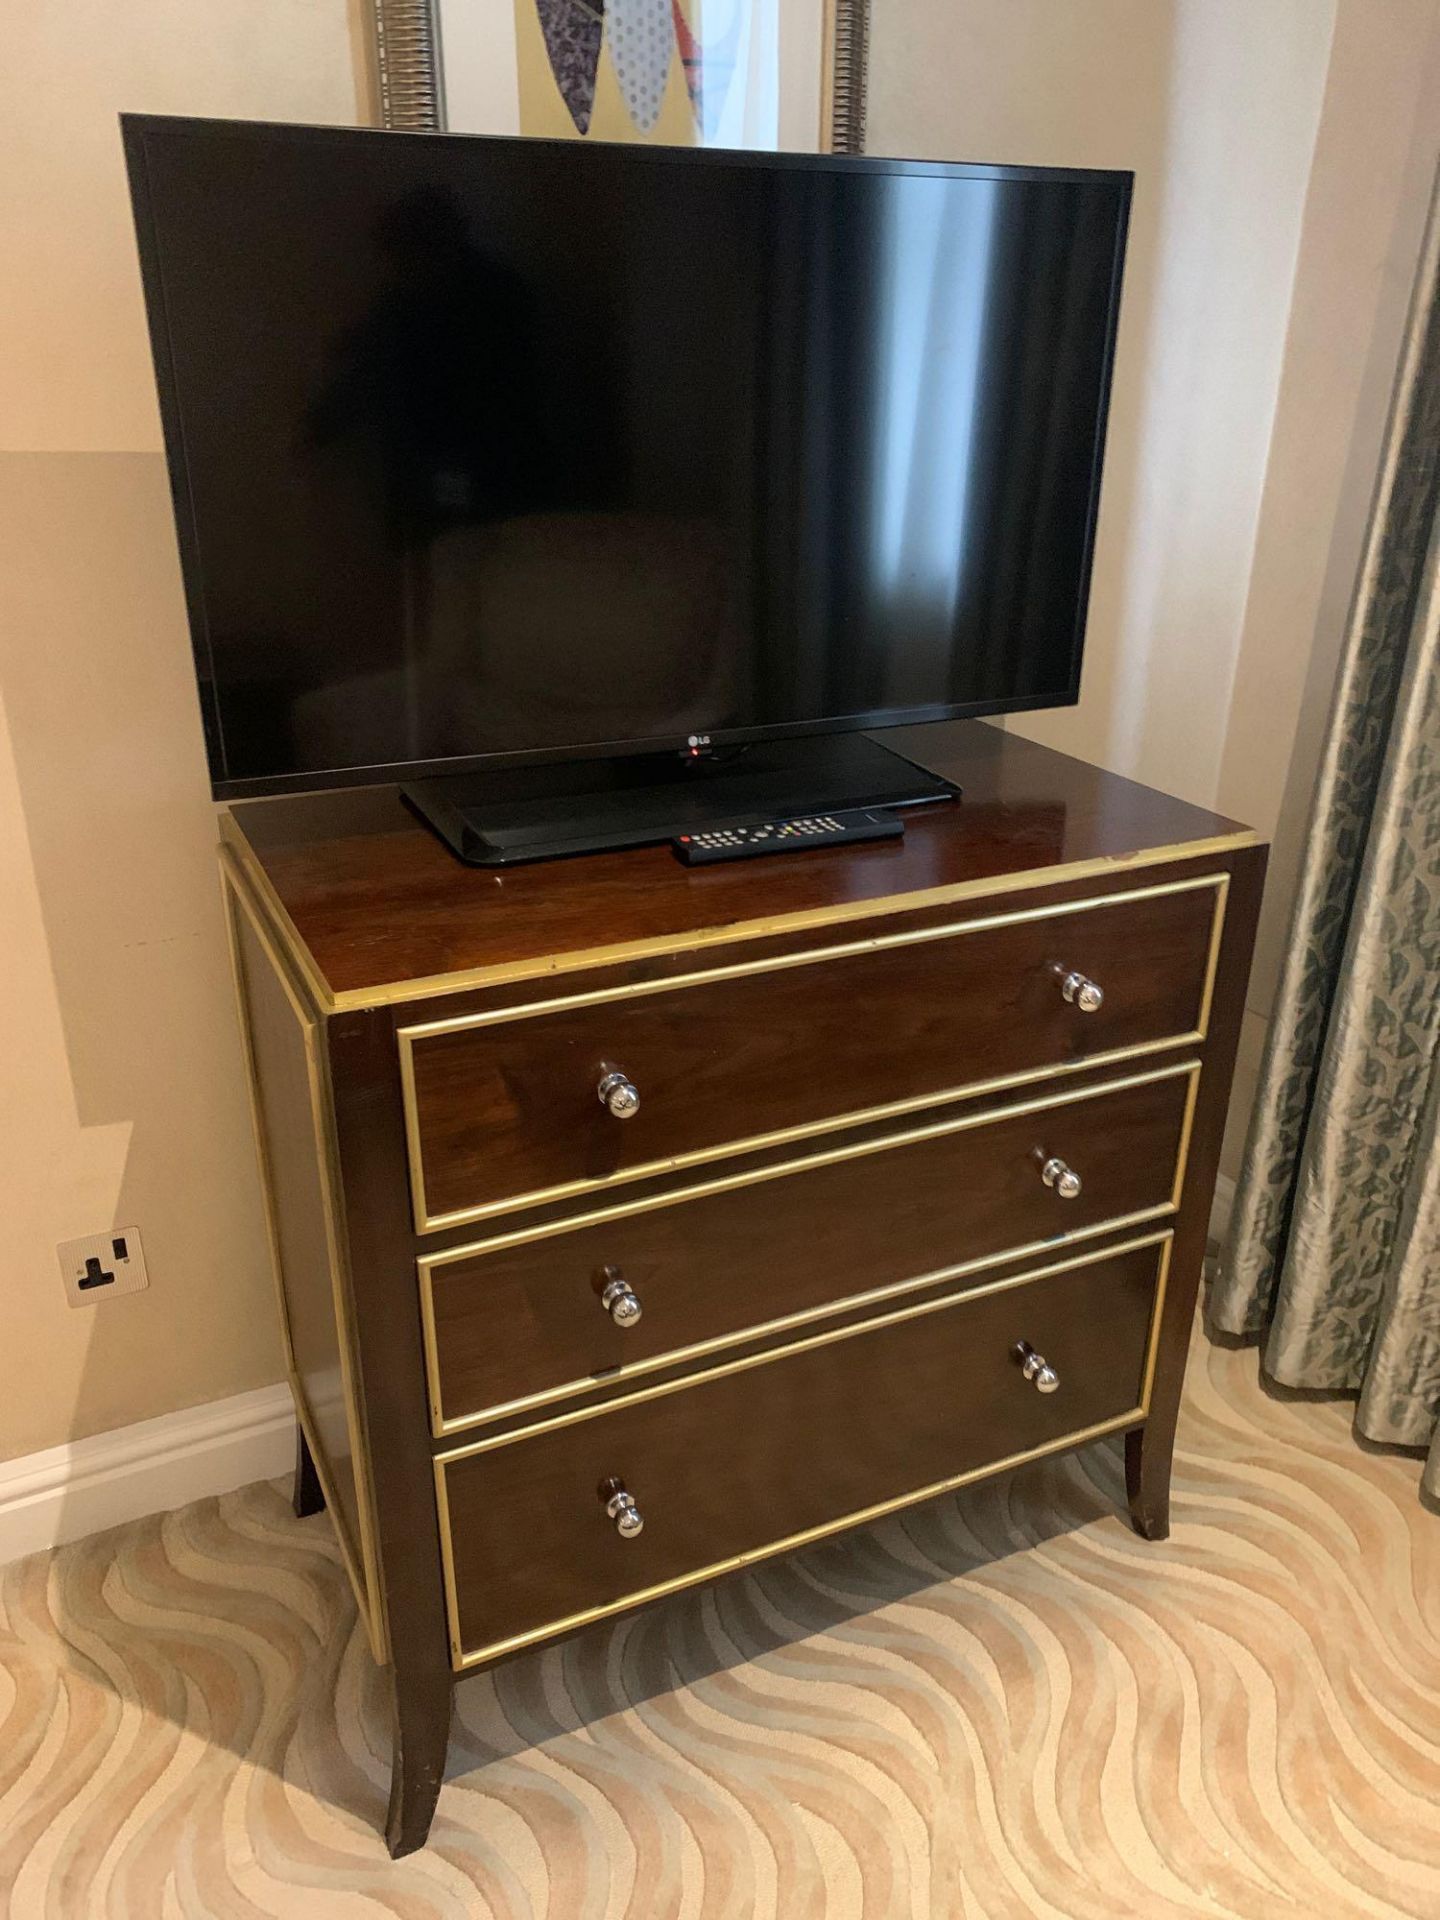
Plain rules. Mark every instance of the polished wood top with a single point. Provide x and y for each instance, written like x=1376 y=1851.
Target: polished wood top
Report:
x=375 y=908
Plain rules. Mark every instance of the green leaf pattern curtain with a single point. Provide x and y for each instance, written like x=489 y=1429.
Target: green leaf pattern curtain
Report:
x=1335 y=1239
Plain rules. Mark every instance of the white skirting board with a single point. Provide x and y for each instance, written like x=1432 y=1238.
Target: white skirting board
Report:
x=84 y=1486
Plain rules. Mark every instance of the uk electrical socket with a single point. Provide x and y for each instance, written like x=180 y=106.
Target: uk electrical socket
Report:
x=103 y=1265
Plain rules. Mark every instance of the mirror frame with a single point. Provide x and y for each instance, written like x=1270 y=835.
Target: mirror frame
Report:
x=409 y=74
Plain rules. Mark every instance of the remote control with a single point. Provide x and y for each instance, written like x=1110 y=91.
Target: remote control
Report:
x=785 y=836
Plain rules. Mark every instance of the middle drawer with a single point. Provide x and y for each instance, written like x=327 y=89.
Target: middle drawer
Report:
x=525 y=1318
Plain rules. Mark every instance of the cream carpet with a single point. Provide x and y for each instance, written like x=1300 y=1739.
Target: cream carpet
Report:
x=1001 y=1705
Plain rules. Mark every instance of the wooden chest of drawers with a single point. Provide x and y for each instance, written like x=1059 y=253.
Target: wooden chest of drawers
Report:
x=633 y=1223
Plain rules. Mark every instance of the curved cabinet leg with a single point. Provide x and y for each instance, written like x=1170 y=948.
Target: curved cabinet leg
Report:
x=308 y=1497
x=1148 y=1454
x=422 y=1734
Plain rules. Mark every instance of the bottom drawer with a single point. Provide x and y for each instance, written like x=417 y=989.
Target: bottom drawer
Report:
x=767 y=1452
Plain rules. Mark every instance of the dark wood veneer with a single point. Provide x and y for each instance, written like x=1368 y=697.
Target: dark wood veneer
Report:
x=731 y=1464
x=526 y=1319
x=295 y=1180
x=369 y=1134
x=510 y=1108
x=1150 y=1449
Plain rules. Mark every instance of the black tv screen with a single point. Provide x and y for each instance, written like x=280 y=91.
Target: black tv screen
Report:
x=499 y=449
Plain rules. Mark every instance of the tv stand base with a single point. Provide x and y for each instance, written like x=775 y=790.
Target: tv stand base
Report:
x=516 y=814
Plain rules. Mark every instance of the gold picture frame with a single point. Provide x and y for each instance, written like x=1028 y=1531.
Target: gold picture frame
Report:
x=409 y=70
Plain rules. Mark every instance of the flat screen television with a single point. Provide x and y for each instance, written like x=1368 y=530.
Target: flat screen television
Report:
x=495 y=453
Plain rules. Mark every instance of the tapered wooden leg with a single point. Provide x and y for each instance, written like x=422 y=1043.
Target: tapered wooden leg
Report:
x=308 y=1497
x=422 y=1735
x=1149 y=1451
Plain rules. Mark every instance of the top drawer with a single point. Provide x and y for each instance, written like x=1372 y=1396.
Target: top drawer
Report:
x=503 y=1107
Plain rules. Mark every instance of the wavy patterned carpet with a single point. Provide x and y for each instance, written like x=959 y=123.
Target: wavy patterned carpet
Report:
x=925 y=1721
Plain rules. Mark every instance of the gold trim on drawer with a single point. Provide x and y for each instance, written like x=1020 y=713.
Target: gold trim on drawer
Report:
x=442 y=1427
x=463 y=1659
x=406 y=1037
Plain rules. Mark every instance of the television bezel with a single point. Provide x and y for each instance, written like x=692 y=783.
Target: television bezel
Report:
x=137 y=130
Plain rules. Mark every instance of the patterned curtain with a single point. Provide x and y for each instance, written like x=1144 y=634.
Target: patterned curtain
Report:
x=1335 y=1243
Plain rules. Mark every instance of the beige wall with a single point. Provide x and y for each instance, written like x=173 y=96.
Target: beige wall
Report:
x=1283 y=152
x=123 y=1101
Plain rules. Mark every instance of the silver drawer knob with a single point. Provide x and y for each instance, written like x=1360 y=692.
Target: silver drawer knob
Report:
x=618 y=1093
x=619 y=1298
x=1063 y=1179
x=1036 y=1368
x=621 y=1508
x=1079 y=991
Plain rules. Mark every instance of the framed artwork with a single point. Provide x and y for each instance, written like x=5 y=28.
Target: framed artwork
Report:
x=729 y=73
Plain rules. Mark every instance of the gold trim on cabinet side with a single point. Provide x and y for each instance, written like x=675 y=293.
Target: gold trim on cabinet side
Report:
x=1212 y=959
x=362 y=1567
x=1157 y=1314
x=256 y=886
x=462 y=1660
x=406 y=1037
x=324 y=1111
x=232 y=903
x=1182 y=1152
x=229 y=906
x=442 y=1427
x=433 y=986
